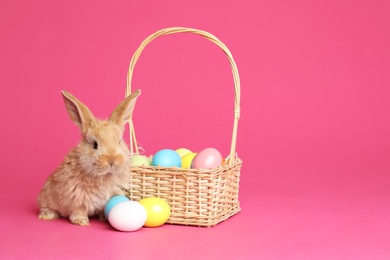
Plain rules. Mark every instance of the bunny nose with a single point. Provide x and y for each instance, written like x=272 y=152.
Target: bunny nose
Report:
x=116 y=159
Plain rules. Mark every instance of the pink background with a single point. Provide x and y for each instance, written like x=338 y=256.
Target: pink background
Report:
x=313 y=135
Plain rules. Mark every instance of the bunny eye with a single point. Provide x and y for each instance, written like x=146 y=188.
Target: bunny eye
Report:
x=95 y=145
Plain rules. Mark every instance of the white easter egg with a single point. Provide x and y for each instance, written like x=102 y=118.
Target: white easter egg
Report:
x=127 y=216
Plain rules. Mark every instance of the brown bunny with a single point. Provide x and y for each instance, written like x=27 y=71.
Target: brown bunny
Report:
x=95 y=170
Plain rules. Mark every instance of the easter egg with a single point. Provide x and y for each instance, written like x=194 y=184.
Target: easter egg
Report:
x=113 y=201
x=139 y=160
x=127 y=216
x=208 y=158
x=186 y=160
x=158 y=211
x=183 y=151
x=166 y=158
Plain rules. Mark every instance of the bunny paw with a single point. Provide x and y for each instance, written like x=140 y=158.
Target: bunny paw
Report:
x=48 y=214
x=81 y=221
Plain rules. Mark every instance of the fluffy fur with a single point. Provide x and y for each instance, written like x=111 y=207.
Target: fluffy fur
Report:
x=93 y=171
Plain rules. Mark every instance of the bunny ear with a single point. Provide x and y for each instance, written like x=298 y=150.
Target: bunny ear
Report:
x=78 y=112
x=123 y=112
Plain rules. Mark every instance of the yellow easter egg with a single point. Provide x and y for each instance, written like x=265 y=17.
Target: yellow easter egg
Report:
x=158 y=211
x=183 y=151
x=187 y=160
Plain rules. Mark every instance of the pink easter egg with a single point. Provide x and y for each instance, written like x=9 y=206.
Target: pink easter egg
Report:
x=208 y=158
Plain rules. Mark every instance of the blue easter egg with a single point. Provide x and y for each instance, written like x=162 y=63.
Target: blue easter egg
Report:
x=166 y=158
x=113 y=201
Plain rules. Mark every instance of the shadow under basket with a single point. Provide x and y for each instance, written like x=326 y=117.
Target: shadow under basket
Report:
x=197 y=197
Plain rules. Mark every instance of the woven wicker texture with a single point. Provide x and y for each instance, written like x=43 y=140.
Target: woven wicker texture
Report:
x=197 y=197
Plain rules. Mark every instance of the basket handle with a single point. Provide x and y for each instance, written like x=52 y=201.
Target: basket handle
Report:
x=236 y=77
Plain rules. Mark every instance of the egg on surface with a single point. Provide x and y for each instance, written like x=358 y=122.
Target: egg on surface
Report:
x=158 y=211
x=127 y=216
x=112 y=202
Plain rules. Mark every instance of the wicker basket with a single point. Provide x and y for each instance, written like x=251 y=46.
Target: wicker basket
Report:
x=197 y=197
